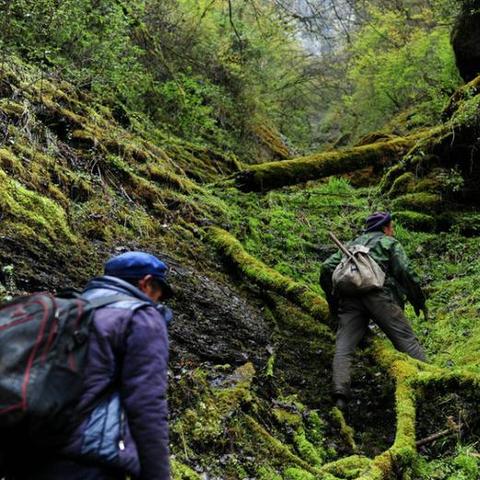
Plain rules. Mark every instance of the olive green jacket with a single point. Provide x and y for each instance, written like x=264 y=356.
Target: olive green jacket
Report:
x=401 y=280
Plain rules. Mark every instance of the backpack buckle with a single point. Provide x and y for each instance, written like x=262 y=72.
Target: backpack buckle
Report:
x=80 y=337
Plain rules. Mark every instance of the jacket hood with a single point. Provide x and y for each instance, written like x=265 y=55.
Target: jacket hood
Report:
x=107 y=285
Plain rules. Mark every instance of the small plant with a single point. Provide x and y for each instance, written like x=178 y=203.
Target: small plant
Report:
x=8 y=287
x=451 y=180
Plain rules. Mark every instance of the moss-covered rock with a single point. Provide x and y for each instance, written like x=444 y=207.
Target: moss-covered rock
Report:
x=402 y=184
x=416 y=220
x=419 y=202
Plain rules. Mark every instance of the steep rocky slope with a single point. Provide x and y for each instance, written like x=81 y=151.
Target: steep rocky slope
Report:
x=252 y=341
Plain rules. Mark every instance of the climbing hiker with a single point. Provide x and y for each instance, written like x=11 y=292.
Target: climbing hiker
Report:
x=122 y=425
x=384 y=305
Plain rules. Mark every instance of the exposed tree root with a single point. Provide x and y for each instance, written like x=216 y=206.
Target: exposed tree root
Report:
x=266 y=277
x=279 y=448
x=407 y=373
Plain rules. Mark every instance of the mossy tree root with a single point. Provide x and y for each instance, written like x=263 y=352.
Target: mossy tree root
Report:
x=401 y=455
x=267 y=277
x=270 y=175
x=407 y=373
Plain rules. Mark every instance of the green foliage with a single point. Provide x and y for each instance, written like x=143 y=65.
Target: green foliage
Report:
x=288 y=229
x=399 y=58
x=212 y=73
x=196 y=68
x=463 y=466
x=191 y=105
x=90 y=44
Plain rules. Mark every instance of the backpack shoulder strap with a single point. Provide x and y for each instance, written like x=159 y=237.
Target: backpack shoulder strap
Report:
x=374 y=240
x=110 y=299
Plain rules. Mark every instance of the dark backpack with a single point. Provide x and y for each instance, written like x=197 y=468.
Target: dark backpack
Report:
x=43 y=346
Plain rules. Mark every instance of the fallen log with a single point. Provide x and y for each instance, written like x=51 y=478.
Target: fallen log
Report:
x=270 y=175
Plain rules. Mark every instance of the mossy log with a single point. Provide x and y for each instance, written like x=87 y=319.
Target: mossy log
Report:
x=267 y=277
x=461 y=95
x=429 y=203
x=299 y=170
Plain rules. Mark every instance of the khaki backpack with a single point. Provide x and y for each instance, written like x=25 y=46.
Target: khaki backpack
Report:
x=357 y=272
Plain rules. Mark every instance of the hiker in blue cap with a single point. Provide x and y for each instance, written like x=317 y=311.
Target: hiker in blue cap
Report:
x=123 y=429
x=383 y=306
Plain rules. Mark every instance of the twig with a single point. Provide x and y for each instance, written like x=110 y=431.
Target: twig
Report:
x=452 y=429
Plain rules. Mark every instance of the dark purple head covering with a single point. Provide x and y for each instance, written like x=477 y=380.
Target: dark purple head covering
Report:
x=376 y=221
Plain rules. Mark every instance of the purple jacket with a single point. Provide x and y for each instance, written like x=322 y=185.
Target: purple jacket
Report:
x=124 y=401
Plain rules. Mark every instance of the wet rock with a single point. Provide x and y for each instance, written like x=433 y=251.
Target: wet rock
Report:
x=213 y=322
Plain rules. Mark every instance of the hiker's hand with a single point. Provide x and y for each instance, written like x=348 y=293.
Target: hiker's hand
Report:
x=423 y=309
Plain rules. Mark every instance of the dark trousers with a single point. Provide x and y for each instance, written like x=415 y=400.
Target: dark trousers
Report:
x=354 y=315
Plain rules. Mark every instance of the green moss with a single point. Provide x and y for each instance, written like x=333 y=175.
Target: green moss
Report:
x=287 y=417
x=182 y=472
x=391 y=176
x=307 y=450
x=86 y=137
x=12 y=108
x=315 y=428
x=277 y=448
x=293 y=473
x=422 y=202
x=349 y=467
x=160 y=174
x=428 y=185
x=402 y=184
x=266 y=277
x=272 y=140
x=467 y=113
x=10 y=163
x=270 y=365
x=206 y=422
x=462 y=466
x=346 y=431
x=416 y=220
x=464 y=93
x=267 y=473
x=32 y=215
x=57 y=111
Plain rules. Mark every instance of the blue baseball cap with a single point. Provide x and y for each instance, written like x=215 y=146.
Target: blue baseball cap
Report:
x=133 y=265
